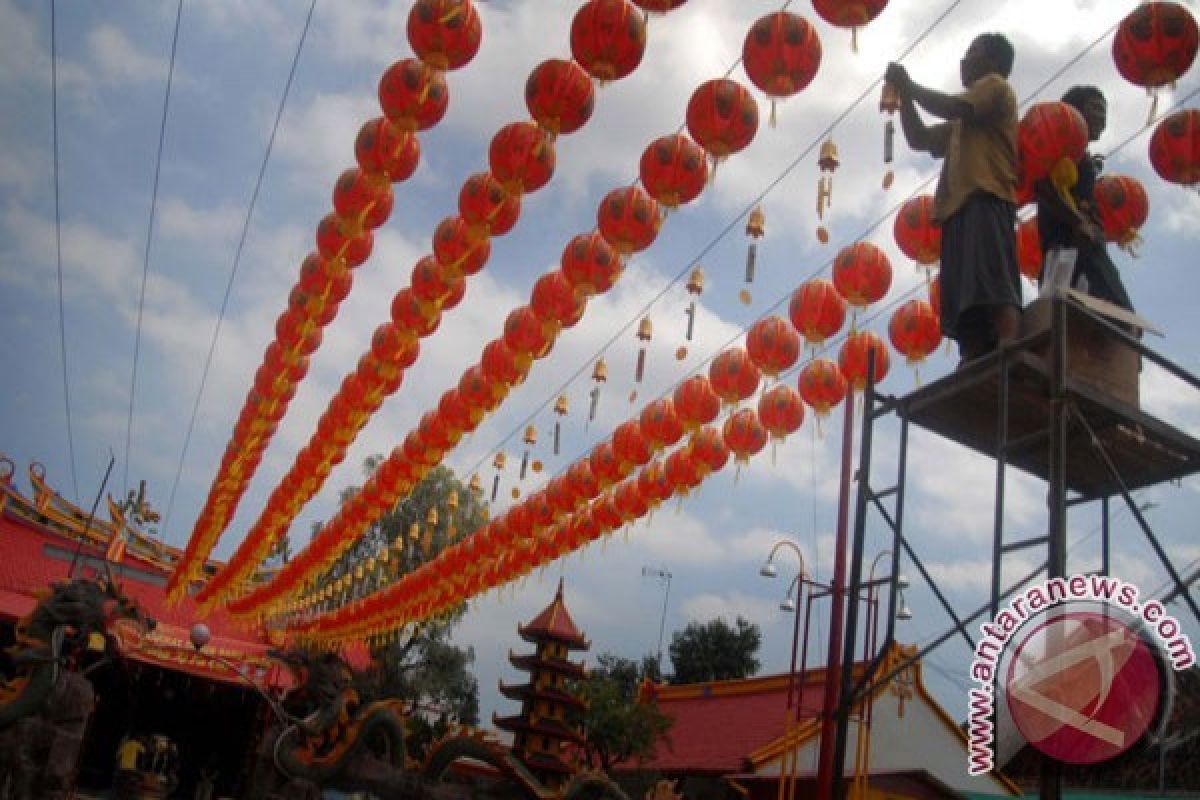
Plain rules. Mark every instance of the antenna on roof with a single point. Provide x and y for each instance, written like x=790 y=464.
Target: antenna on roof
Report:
x=112 y=459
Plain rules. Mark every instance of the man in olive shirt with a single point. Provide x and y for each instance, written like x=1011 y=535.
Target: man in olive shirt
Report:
x=975 y=202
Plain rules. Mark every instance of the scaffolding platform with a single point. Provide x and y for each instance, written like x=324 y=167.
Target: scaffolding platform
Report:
x=965 y=407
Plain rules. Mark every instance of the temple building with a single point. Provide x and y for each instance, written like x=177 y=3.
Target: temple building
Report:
x=542 y=732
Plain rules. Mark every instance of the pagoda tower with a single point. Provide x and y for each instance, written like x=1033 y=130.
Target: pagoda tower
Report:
x=541 y=731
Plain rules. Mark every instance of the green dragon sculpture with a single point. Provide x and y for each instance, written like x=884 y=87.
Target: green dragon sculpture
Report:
x=45 y=698
x=334 y=741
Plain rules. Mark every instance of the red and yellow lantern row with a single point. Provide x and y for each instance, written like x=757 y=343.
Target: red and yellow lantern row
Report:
x=445 y=34
x=544 y=527
x=628 y=221
x=522 y=160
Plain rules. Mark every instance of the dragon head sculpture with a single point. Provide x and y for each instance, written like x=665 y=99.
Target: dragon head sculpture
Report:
x=91 y=612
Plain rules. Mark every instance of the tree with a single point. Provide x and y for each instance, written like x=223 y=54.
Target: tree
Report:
x=616 y=726
x=422 y=667
x=715 y=651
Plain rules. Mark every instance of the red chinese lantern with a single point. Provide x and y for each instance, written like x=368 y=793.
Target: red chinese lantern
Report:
x=681 y=471
x=501 y=365
x=456 y=413
x=628 y=219
x=559 y=95
x=1052 y=137
x=709 y=451
x=413 y=96
x=1155 y=45
x=1123 y=207
x=409 y=313
x=478 y=392
x=629 y=445
x=652 y=480
x=393 y=345
x=918 y=234
x=554 y=300
x=629 y=502
x=660 y=424
x=822 y=385
x=773 y=345
x=458 y=290
x=852 y=14
x=781 y=411
x=733 y=376
x=696 y=403
x=852 y=358
x=862 y=274
x=560 y=496
x=487 y=206
x=582 y=482
x=605 y=514
x=781 y=55
x=590 y=263
x=722 y=117
x=1029 y=250
x=744 y=435
x=915 y=330
x=817 y=311
x=458 y=246
x=435 y=432
x=431 y=282
x=521 y=157
x=608 y=38
x=445 y=34
x=340 y=237
x=674 y=170
x=1175 y=148
x=358 y=191
x=385 y=149
x=525 y=334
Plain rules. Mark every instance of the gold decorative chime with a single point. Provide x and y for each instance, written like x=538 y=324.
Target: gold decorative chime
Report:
x=645 y=332
x=498 y=463
x=695 y=287
x=530 y=441
x=599 y=376
x=452 y=508
x=889 y=103
x=756 y=226
x=828 y=162
x=560 y=411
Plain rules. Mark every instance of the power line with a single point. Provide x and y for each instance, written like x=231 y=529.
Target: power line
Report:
x=62 y=314
x=237 y=260
x=137 y=336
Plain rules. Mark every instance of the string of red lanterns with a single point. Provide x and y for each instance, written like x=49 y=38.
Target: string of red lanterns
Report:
x=628 y=220
x=522 y=160
x=445 y=34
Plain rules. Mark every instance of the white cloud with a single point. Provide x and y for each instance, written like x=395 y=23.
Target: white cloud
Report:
x=117 y=60
x=729 y=606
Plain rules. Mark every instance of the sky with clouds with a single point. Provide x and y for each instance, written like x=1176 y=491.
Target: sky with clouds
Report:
x=232 y=61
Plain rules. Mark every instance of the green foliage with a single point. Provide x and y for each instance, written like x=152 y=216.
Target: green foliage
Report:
x=421 y=667
x=616 y=726
x=715 y=651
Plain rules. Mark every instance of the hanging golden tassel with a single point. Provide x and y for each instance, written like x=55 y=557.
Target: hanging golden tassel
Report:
x=599 y=375
x=828 y=163
x=695 y=287
x=498 y=462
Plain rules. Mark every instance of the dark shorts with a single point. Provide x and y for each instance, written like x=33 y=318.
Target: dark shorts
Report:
x=979 y=262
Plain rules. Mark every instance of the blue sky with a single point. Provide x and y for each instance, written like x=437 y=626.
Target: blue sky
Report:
x=233 y=58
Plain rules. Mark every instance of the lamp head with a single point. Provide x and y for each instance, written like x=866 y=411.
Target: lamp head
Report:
x=200 y=635
x=768 y=570
x=788 y=605
x=904 y=613
x=901 y=581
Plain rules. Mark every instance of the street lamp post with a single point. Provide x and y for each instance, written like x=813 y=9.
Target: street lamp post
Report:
x=664 y=576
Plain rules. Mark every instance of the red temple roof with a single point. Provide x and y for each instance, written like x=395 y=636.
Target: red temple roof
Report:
x=36 y=556
x=555 y=623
